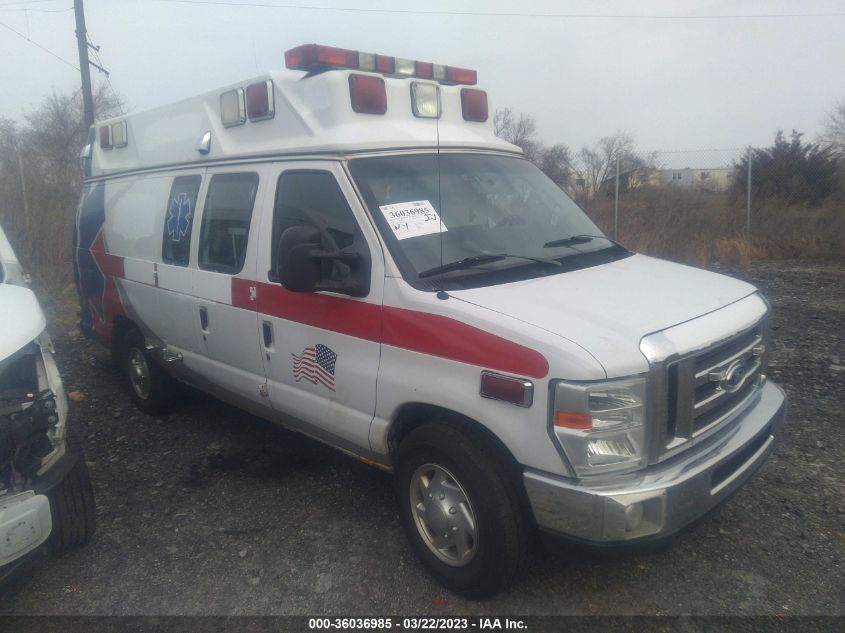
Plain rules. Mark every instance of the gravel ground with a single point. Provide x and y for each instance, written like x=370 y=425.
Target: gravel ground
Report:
x=211 y=511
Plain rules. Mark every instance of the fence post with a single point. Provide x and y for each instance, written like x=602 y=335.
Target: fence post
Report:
x=616 y=203
x=748 y=197
x=23 y=189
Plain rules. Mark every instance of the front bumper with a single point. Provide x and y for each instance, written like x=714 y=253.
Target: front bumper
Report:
x=665 y=498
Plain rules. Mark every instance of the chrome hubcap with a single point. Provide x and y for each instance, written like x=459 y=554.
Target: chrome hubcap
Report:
x=443 y=515
x=139 y=373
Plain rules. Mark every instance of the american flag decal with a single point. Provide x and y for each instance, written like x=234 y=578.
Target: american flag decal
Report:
x=316 y=365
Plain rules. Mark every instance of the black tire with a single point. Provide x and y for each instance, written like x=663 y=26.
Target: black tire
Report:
x=72 y=504
x=490 y=481
x=160 y=397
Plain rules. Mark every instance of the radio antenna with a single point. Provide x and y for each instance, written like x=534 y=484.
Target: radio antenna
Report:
x=440 y=292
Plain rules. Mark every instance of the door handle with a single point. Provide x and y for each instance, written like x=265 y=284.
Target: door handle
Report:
x=204 y=319
x=267 y=331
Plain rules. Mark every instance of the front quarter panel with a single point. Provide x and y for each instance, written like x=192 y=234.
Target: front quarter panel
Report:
x=412 y=373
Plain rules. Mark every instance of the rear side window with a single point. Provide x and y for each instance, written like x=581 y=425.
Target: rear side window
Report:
x=179 y=219
x=312 y=198
x=225 y=222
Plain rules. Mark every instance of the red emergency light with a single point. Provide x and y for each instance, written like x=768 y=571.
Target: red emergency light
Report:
x=368 y=94
x=105 y=137
x=474 y=105
x=315 y=57
x=311 y=56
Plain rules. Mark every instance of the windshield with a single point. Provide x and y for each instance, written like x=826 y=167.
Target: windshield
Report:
x=487 y=206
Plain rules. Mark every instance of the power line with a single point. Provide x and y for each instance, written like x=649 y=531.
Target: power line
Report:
x=19 y=34
x=96 y=52
x=35 y=10
x=306 y=7
x=18 y=2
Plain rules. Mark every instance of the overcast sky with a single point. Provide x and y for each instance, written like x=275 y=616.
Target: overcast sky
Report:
x=685 y=83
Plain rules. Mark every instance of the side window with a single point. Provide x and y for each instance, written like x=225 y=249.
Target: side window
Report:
x=179 y=219
x=312 y=198
x=225 y=222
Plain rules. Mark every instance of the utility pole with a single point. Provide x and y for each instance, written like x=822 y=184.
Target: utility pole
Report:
x=23 y=187
x=748 y=195
x=82 y=45
x=616 y=203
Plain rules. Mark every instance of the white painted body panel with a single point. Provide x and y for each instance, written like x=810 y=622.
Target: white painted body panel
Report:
x=348 y=411
x=21 y=319
x=407 y=376
x=228 y=351
x=312 y=117
x=608 y=309
x=11 y=271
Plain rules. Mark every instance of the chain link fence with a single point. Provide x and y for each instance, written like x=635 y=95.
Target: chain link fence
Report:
x=731 y=205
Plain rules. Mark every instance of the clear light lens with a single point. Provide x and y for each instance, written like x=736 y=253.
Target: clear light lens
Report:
x=120 y=135
x=405 y=67
x=616 y=438
x=614 y=409
x=439 y=72
x=367 y=61
x=426 y=100
x=232 y=108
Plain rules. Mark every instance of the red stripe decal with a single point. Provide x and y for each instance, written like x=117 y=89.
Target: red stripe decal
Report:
x=448 y=338
x=354 y=318
x=422 y=332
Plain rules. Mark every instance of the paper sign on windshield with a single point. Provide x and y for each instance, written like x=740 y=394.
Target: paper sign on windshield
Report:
x=412 y=219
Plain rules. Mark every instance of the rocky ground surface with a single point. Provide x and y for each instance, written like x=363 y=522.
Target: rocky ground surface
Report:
x=211 y=511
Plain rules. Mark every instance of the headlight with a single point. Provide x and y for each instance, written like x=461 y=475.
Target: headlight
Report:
x=601 y=426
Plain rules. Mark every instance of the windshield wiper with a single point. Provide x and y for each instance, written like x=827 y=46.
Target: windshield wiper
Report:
x=478 y=260
x=579 y=239
x=569 y=241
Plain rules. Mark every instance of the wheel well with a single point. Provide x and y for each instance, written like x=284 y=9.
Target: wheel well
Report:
x=122 y=325
x=415 y=414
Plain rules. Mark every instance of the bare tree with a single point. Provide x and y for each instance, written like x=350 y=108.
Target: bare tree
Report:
x=833 y=136
x=40 y=179
x=597 y=164
x=521 y=130
x=517 y=129
x=556 y=163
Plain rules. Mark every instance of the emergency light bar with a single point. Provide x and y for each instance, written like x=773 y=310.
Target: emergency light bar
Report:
x=311 y=57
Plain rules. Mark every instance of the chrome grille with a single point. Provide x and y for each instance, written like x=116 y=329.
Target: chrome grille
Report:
x=709 y=389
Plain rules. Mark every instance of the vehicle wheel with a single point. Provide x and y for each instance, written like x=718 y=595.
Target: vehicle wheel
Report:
x=461 y=509
x=151 y=388
x=72 y=503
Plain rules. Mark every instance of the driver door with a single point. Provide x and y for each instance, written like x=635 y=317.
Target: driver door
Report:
x=321 y=350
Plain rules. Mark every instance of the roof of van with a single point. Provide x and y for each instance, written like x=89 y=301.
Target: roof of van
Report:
x=313 y=115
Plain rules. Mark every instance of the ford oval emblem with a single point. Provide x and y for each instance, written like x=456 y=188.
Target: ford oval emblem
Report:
x=734 y=376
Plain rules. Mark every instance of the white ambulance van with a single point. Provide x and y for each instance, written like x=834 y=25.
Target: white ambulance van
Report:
x=346 y=248
x=46 y=498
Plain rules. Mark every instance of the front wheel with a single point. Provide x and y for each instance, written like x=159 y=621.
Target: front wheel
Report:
x=72 y=502
x=151 y=388
x=461 y=509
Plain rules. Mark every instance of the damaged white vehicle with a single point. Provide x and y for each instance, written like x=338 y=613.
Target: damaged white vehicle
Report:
x=46 y=499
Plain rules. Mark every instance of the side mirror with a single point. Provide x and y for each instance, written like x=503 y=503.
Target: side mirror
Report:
x=300 y=264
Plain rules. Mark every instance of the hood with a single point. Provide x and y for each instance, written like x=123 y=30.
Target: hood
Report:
x=21 y=319
x=608 y=309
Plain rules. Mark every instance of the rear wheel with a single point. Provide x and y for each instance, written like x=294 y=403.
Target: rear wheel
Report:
x=461 y=509
x=151 y=388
